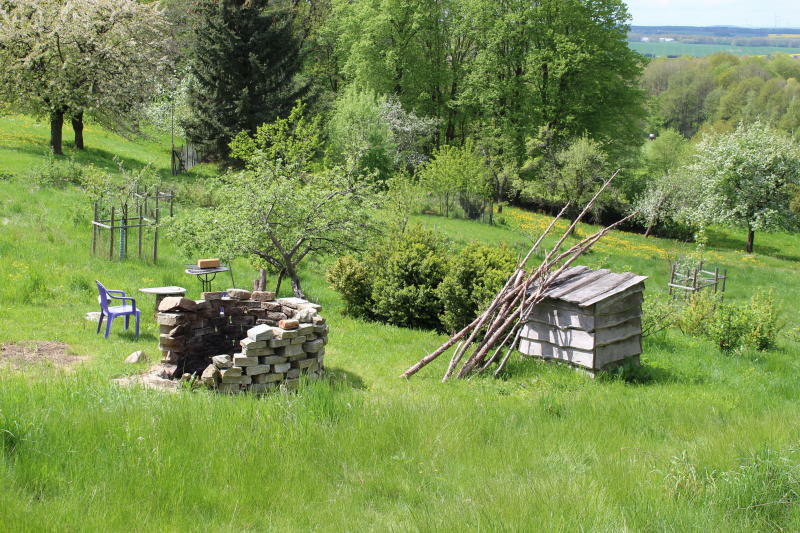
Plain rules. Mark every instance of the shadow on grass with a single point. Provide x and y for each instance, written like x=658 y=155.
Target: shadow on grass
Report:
x=344 y=377
x=719 y=239
x=98 y=157
x=130 y=335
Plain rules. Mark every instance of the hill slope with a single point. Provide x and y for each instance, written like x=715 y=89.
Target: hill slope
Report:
x=707 y=442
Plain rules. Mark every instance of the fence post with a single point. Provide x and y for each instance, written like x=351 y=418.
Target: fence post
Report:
x=111 y=238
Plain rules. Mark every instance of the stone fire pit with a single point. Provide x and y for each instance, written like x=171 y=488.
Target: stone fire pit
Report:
x=242 y=342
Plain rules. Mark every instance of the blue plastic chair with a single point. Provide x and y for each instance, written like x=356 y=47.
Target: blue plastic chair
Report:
x=111 y=312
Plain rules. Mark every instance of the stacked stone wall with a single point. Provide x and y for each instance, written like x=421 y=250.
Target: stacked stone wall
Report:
x=242 y=341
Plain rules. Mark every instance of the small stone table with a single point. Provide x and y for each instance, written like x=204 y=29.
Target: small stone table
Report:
x=163 y=292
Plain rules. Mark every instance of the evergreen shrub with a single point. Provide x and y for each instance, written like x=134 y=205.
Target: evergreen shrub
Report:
x=409 y=281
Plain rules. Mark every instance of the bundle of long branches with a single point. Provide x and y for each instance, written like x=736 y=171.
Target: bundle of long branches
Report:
x=482 y=341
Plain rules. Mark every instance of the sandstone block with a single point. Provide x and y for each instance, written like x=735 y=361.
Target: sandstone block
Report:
x=171 y=342
x=202 y=305
x=171 y=319
x=271 y=306
x=254 y=344
x=318 y=320
x=305 y=329
x=299 y=303
x=304 y=363
x=208 y=296
x=241 y=380
x=321 y=329
x=276 y=316
x=270 y=378
x=300 y=339
x=238 y=294
x=262 y=296
x=288 y=324
x=176 y=303
x=292 y=349
x=288 y=311
x=229 y=388
x=293 y=373
x=208 y=263
x=278 y=343
x=297 y=357
x=313 y=346
x=244 y=360
x=231 y=372
x=222 y=361
x=281 y=368
x=211 y=376
x=306 y=314
x=261 y=333
x=256 y=370
x=271 y=360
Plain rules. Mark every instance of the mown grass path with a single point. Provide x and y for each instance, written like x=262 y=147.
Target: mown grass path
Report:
x=708 y=443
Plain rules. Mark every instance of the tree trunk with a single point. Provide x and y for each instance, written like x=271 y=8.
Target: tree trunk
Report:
x=278 y=284
x=56 y=131
x=751 y=235
x=649 y=230
x=296 y=288
x=77 y=127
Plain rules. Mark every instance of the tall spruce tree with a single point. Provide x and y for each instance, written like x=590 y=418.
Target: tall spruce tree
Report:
x=244 y=60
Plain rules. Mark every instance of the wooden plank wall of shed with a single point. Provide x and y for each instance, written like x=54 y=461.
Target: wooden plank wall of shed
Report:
x=603 y=333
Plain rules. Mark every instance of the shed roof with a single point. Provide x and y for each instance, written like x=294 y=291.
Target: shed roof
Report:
x=585 y=287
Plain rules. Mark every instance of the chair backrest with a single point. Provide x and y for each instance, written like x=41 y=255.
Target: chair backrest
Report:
x=103 y=296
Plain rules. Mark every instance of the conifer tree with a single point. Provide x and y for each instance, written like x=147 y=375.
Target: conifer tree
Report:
x=244 y=60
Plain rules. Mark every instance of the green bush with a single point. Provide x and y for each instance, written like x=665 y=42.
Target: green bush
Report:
x=408 y=281
x=351 y=278
x=755 y=325
x=763 y=320
x=699 y=309
x=57 y=173
x=474 y=277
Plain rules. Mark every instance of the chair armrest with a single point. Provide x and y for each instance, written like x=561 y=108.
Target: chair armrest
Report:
x=115 y=292
x=126 y=298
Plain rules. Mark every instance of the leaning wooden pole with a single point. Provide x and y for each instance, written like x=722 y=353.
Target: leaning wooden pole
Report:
x=499 y=325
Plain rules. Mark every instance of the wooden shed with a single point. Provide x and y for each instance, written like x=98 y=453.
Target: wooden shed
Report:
x=589 y=318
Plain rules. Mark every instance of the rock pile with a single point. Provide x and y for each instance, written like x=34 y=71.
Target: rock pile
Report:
x=242 y=341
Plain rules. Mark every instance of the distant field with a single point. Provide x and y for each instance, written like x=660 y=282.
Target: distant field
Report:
x=701 y=50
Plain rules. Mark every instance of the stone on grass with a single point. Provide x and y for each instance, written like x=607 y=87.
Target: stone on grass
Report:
x=136 y=357
x=211 y=376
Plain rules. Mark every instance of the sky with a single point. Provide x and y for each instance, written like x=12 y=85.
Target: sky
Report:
x=750 y=13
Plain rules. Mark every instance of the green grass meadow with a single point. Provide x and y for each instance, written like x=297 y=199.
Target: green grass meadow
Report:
x=707 y=442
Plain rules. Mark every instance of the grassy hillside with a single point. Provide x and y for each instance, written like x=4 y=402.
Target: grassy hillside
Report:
x=708 y=442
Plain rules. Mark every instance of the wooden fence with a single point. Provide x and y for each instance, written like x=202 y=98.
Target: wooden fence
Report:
x=689 y=280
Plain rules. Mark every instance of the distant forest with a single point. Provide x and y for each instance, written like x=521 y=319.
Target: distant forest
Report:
x=723 y=35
